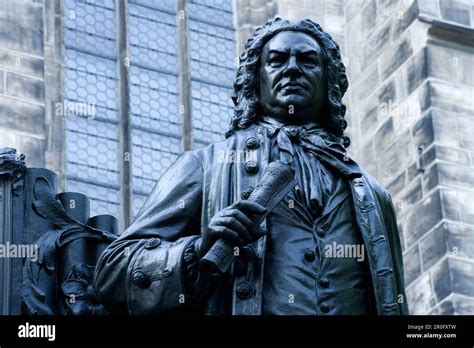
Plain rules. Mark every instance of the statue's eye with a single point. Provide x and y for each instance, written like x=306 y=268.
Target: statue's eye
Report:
x=276 y=60
x=309 y=61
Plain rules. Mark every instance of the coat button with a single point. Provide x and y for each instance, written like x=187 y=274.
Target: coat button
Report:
x=152 y=243
x=324 y=282
x=244 y=290
x=309 y=255
x=251 y=143
x=320 y=232
x=325 y=308
x=251 y=167
x=246 y=192
x=140 y=279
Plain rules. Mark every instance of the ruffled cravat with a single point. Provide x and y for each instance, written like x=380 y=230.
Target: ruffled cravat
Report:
x=316 y=141
x=320 y=162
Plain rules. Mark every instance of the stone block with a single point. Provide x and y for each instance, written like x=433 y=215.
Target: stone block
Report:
x=258 y=16
x=429 y=8
x=387 y=93
x=430 y=178
x=428 y=156
x=456 y=11
x=466 y=63
x=401 y=234
x=413 y=73
x=365 y=85
x=369 y=16
x=360 y=25
x=25 y=87
x=420 y=295
x=463 y=305
x=460 y=239
x=372 y=169
x=368 y=116
x=412 y=266
x=376 y=44
x=451 y=97
x=461 y=274
x=396 y=157
x=384 y=136
x=257 y=3
x=18 y=63
x=436 y=126
x=410 y=195
x=457 y=176
x=385 y=9
x=334 y=21
x=423 y=132
x=366 y=158
x=241 y=3
x=424 y=95
x=366 y=154
x=427 y=215
x=272 y=9
x=412 y=172
x=243 y=16
x=447 y=154
x=395 y=57
x=397 y=185
x=21 y=27
x=451 y=205
x=446 y=307
x=444 y=125
x=21 y=116
x=403 y=18
x=450 y=64
x=466 y=132
x=441 y=279
x=433 y=246
x=352 y=8
x=466 y=206
x=405 y=114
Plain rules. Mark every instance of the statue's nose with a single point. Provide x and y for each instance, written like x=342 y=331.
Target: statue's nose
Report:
x=292 y=68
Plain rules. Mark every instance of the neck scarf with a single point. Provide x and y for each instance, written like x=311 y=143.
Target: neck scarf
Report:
x=316 y=141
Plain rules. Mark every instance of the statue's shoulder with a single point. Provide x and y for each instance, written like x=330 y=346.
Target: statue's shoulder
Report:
x=381 y=193
x=233 y=141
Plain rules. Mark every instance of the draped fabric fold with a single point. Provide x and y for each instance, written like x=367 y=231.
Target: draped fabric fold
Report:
x=316 y=155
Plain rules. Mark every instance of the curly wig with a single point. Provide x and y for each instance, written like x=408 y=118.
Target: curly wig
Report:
x=246 y=86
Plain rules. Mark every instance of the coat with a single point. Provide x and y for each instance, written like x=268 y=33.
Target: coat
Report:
x=143 y=269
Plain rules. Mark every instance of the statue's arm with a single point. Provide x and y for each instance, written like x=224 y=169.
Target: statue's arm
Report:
x=396 y=250
x=147 y=270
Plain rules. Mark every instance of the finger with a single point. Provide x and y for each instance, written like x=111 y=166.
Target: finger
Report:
x=236 y=226
x=249 y=207
x=243 y=219
x=221 y=232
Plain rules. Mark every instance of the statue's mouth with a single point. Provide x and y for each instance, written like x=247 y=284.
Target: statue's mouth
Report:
x=292 y=86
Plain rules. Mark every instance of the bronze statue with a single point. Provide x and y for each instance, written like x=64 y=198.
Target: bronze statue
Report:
x=329 y=246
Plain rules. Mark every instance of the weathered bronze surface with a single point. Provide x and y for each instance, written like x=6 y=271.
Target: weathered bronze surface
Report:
x=330 y=246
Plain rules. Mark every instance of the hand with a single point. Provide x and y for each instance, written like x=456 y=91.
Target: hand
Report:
x=233 y=224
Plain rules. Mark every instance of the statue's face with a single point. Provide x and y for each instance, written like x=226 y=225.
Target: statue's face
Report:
x=292 y=78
